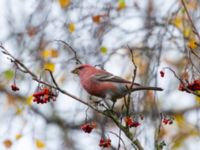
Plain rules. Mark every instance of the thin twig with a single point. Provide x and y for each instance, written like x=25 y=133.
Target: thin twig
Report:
x=72 y=49
x=182 y=82
x=120 y=138
x=189 y=17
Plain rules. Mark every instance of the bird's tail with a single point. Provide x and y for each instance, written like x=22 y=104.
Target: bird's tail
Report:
x=139 y=88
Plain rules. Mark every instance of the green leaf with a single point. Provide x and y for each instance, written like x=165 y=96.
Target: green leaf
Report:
x=103 y=50
x=8 y=74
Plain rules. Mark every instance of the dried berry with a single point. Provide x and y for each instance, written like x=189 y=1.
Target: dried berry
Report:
x=14 y=87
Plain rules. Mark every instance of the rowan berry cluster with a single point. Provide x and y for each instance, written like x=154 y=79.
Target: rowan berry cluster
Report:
x=105 y=143
x=88 y=127
x=44 y=95
x=131 y=123
x=167 y=120
x=193 y=86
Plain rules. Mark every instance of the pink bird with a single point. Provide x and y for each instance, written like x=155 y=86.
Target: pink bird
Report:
x=101 y=83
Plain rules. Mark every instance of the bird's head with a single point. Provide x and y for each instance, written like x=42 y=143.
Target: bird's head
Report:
x=81 y=68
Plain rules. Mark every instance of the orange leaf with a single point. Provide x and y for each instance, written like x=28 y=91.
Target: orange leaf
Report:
x=7 y=143
x=39 y=144
x=192 y=43
x=96 y=18
x=64 y=3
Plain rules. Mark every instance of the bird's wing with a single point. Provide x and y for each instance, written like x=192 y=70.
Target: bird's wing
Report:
x=107 y=77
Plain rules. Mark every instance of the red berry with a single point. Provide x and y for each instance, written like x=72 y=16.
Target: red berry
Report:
x=162 y=74
x=38 y=94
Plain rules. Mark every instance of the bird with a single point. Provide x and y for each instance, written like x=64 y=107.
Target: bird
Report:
x=100 y=83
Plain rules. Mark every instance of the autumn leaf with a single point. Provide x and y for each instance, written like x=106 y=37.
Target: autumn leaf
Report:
x=180 y=120
x=71 y=27
x=49 y=66
x=39 y=144
x=96 y=18
x=8 y=74
x=197 y=98
x=178 y=22
x=187 y=32
x=192 y=43
x=121 y=5
x=103 y=50
x=19 y=111
x=29 y=100
x=49 y=53
x=18 y=136
x=7 y=143
x=64 y=3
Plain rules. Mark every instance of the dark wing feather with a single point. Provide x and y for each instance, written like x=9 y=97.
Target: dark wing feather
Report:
x=107 y=77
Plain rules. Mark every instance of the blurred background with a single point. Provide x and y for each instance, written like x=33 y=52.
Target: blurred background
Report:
x=158 y=32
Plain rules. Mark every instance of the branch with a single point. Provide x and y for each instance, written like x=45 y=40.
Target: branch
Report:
x=182 y=82
x=71 y=48
x=190 y=19
x=107 y=113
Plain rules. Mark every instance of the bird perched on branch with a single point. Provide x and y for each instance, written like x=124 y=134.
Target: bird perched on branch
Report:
x=101 y=83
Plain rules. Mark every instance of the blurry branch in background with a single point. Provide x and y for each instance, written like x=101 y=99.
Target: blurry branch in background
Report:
x=72 y=49
x=189 y=17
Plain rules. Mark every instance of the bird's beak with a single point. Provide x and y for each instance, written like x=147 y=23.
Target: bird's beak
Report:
x=75 y=71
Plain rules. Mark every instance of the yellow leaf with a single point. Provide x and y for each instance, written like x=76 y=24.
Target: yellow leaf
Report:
x=18 y=136
x=29 y=100
x=178 y=22
x=103 y=50
x=71 y=27
x=19 y=111
x=49 y=53
x=39 y=144
x=121 y=5
x=187 y=32
x=197 y=98
x=192 y=43
x=180 y=120
x=49 y=66
x=7 y=143
x=9 y=74
x=64 y=3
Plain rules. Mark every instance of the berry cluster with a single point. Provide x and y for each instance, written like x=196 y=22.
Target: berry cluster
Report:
x=167 y=121
x=44 y=95
x=105 y=143
x=131 y=123
x=193 y=86
x=88 y=127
